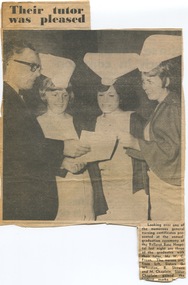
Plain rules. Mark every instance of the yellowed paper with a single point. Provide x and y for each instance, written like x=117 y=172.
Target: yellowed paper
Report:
x=46 y=15
x=162 y=251
x=124 y=183
x=135 y=179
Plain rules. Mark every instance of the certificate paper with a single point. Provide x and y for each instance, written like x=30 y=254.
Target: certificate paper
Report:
x=60 y=29
x=102 y=147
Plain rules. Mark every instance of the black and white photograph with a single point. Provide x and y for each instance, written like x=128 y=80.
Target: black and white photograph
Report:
x=92 y=126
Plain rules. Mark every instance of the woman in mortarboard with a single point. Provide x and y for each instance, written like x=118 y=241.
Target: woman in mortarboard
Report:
x=160 y=64
x=124 y=204
x=75 y=190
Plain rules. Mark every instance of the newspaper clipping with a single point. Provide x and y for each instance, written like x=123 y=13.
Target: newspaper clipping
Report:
x=162 y=251
x=92 y=128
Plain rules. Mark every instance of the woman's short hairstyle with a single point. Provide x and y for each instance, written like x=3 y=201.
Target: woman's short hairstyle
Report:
x=46 y=84
x=169 y=69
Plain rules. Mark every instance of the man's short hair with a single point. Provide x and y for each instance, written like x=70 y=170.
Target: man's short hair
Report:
x=14 y=46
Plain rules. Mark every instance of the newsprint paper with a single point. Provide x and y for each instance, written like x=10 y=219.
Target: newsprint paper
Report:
x=92 y=128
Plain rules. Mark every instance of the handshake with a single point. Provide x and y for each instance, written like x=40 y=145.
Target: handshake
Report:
x=72 y=150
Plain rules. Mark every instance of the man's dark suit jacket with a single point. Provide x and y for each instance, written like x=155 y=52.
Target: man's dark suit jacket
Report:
x=29 y=163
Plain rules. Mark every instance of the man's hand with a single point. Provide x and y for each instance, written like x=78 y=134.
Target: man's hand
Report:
x=74 y=148
x=72 y=165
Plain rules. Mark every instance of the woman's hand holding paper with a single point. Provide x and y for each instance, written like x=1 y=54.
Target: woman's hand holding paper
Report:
x=128 y=141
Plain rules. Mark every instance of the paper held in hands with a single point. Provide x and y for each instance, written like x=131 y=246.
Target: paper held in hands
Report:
x=102 y=147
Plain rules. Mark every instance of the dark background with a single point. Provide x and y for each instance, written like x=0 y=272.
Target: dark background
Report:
x=74 y=45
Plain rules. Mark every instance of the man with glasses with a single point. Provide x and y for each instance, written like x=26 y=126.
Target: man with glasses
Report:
x=29 y=160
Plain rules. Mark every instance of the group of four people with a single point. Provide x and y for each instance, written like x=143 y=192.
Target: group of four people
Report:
x=44 y=177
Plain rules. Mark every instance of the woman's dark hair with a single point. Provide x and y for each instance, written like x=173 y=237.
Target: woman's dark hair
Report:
x=128 y=98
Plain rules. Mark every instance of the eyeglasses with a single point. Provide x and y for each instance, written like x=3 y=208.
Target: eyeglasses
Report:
x=33 y=66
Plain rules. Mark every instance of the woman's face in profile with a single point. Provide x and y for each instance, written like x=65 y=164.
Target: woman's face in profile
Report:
x=152 y=85
x=108 y=101
x=57 y=100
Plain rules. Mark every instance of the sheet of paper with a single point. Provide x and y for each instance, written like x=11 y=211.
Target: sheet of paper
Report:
x=102 y=147
x=161 y=248
x=162 y=251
